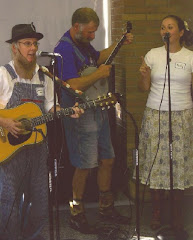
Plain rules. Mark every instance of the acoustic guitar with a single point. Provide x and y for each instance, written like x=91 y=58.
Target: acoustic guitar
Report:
x=34 y=123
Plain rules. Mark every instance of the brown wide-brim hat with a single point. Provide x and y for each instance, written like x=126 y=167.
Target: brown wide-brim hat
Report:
x=21 y=31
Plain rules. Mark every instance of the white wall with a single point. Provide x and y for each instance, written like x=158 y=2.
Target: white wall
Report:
x=52 y=18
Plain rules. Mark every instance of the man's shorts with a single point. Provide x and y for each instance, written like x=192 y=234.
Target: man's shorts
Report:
x=88 y=138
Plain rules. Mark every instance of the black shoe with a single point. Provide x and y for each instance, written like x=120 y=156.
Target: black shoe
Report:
x=79 y=223
x=113 y=216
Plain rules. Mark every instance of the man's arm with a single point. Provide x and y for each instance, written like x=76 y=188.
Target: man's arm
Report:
x=105 y=53
x=84 y=82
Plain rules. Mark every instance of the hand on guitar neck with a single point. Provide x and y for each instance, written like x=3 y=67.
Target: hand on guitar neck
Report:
x=77 y=111
x=128 y=36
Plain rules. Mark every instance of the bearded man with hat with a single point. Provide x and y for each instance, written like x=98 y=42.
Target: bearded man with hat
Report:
x=23 y=176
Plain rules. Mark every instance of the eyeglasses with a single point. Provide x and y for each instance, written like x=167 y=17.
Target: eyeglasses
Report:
x=29 y=44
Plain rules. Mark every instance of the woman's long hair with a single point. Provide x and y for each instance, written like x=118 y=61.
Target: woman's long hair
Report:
x=187 y=37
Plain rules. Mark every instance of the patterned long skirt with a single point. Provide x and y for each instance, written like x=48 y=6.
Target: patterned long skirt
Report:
x=154 y=160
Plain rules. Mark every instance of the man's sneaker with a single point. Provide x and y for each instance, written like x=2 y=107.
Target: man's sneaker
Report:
x=113 y=216
x=79 y=223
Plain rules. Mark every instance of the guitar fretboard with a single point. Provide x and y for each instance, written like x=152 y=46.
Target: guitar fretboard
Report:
x=69 y=111
x=119 y=44
x=115 y=51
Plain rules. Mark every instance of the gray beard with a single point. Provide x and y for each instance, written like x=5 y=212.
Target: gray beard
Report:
x=80 y=39
x=24 y=68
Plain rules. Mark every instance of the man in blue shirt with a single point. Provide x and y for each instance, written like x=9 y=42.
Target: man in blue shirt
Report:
x=88 y=138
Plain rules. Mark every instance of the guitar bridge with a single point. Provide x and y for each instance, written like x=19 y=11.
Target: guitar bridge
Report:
x=2 y=135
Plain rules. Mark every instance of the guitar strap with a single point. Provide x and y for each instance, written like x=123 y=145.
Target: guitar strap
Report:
x=13 y=75
x=80 y=55
x=77 y=51
x=10 y=71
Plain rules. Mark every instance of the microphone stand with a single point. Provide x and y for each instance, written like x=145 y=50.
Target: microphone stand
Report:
x=168 y=233
x=137 y=180
x=53 y=173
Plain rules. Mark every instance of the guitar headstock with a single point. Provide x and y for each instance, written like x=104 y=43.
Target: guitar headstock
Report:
x=108 y=100
x=129 y=27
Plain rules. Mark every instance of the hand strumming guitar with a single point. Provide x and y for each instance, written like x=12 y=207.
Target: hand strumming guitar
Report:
x=13 y=126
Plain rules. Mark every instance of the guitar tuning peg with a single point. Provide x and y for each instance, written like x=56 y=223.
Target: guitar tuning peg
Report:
x=108 y=107
x=103 y=108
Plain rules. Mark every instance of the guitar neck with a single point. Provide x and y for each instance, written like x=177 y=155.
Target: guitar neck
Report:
x=115 y=51
x=119 y=44
x=60 y=114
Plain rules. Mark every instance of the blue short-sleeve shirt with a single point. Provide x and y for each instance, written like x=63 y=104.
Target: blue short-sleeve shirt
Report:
x=72 y=64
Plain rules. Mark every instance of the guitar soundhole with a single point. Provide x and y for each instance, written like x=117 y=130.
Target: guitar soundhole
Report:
x=21 y=138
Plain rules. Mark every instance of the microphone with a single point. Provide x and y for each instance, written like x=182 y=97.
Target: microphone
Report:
x=166 y=37
x=47 y=54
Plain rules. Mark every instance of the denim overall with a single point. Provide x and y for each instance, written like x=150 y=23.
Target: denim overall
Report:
x=23 y=178
x=88 y=137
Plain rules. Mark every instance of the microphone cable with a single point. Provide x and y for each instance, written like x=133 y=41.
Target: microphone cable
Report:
x=137 y=138
x=158 y=145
